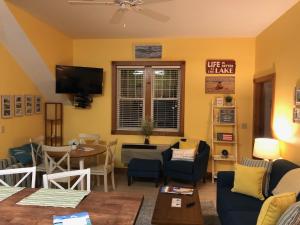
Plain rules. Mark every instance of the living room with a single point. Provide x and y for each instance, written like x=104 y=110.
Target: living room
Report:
x=263 y=44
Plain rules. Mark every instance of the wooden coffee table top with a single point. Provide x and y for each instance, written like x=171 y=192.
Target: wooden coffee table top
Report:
x=104 y=208
x=164 y=214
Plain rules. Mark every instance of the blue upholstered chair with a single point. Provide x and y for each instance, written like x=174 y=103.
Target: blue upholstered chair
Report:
x=185 y=170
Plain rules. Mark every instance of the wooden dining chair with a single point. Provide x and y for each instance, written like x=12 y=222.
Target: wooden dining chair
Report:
x=26 y=170
x=37 y=153
x=89 y=138
x=81 y=174
x=57 y=159
x=108 y=167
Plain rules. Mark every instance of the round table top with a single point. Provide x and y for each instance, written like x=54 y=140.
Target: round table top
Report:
x=82 y=151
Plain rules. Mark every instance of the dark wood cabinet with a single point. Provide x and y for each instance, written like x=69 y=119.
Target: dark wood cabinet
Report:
x=53 y=124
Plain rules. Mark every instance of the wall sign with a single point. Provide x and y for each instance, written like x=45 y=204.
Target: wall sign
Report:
x=148 y=51
x=216 y=66
x=219 y=85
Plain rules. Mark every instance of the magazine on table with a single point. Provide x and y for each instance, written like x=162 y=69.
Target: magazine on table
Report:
x=177 y=190
x=81 y=218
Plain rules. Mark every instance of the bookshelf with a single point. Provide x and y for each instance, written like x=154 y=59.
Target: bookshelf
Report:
x=224 y=136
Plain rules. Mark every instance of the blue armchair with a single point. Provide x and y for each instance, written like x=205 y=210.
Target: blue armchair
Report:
x=185 y=170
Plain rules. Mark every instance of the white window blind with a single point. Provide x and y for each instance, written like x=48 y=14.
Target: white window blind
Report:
x=130 y=98
x=166 y=98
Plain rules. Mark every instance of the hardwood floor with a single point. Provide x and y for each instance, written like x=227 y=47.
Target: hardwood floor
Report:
x=207 y=191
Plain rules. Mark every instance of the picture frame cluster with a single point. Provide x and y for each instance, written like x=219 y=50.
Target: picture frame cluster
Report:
x=20 y=105
x=296 y=110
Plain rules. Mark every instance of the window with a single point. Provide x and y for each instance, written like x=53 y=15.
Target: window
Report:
x=148 y=90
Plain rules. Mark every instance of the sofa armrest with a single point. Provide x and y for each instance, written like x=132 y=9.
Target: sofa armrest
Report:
x=225 y=179
x=167 y=154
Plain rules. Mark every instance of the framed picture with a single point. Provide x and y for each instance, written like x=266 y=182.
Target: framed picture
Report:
x=224 y=136
x=148 y=51
x=38 y=104
x=296 y=115
x=297 y=96
x=6 y=106
x=19 y=105
x=219 y=101
x=227 y=116
x=219 y=85
x=28 y=104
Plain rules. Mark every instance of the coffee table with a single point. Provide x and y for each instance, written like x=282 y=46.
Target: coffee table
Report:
x=164 y=214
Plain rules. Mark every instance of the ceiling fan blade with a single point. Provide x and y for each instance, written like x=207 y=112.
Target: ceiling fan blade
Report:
x=145 y=2
x=152 y=14
x=90 y=2
x=118 y=16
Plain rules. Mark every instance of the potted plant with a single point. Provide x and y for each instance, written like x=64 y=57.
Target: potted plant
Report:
x=147 y=128
x=228 y=100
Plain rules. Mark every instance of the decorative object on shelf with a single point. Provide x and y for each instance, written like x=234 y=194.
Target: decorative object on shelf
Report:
x=224 y=153
x=227 y=116
x=28 y=105
x=220 y=66
x=147 y=129
x=224 y=136
x=6 y=106
x=19 y=105
x=228 y=100
x=266 y=148
x=148 y=51
x=220 y=85
x=296 y=115
x=38 y=104
x=297 y=96
x=219 y=101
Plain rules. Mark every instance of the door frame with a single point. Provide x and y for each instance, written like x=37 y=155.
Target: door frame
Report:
x=257 y=94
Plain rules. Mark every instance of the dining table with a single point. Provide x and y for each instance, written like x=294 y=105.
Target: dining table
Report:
x=82 y=152
x=113 y=208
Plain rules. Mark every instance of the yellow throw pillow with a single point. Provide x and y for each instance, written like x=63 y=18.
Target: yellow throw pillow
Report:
x=274 y=207
x=249 y=181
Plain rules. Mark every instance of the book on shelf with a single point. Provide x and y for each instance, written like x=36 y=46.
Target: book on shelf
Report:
x=81 y=218
x=176 y=190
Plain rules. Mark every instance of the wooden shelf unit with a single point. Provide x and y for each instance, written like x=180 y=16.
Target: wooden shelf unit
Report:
x=54 y=124
x=228 y=127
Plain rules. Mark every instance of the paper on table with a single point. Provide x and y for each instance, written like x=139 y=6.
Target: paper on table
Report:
x=88 y=149
x=75 y=221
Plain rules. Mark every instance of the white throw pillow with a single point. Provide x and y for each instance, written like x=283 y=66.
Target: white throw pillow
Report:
x=290 y=182
x=183 y=154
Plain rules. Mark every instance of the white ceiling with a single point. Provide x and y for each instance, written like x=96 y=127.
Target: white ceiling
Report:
x=188 y=18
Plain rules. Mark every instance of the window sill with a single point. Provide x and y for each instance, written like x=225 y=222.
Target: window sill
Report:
x=155 y=133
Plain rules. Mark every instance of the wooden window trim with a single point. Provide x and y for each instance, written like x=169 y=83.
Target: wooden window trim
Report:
x=115 y=64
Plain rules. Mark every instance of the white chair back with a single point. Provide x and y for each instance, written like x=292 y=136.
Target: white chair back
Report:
x=53 y=163
x=36 y=152
x=81 y=173
x=26 y=170
x=89 y=138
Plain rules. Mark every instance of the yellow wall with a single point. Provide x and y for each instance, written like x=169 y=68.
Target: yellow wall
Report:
x=15 y=82
x=100 y=53
x=55 y=48
x=278 y=50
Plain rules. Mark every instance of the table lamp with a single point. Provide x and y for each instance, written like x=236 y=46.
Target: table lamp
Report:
x=266 y=148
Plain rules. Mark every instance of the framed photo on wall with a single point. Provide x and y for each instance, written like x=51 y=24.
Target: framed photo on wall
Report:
x=19 y=105
x=6 y=106
x=148 y=51
x=28 y=105
x=296 y=115
x=220 y=85
x=297 y=96
x=38 y=104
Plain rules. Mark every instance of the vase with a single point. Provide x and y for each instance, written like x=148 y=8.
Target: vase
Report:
x=146 y=142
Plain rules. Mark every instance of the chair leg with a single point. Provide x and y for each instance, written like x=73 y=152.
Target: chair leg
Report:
x=98 y=180
x=105 y=182
x=113 y=179
x=195 y=184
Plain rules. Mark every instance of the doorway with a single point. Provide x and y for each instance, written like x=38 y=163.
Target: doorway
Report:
x=263 y=105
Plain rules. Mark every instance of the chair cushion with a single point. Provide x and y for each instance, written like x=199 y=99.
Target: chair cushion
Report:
x=144 y=165
x=234 y=201
x=290 y=182
x=183 y=154
x=242 y=217
x=180 y=166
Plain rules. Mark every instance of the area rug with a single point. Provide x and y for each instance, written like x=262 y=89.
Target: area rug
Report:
x=208 y=210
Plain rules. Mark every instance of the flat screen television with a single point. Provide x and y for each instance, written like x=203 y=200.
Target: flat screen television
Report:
x=79 y=80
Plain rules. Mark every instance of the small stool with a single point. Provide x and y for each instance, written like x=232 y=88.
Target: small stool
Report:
x=144 y=168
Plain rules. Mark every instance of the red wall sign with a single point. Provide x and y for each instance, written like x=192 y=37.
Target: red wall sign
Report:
x=216 y=66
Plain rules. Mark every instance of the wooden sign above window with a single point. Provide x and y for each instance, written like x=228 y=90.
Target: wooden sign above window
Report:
x=220 y=66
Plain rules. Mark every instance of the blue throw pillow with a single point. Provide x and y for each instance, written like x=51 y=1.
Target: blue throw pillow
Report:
x=22 y=154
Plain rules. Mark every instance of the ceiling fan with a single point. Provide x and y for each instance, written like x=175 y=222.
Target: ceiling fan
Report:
x=126 y=5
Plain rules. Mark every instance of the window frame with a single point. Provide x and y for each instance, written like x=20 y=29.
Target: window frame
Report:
x=148 y=95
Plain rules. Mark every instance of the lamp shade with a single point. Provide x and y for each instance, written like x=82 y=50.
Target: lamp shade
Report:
x=266 y=148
